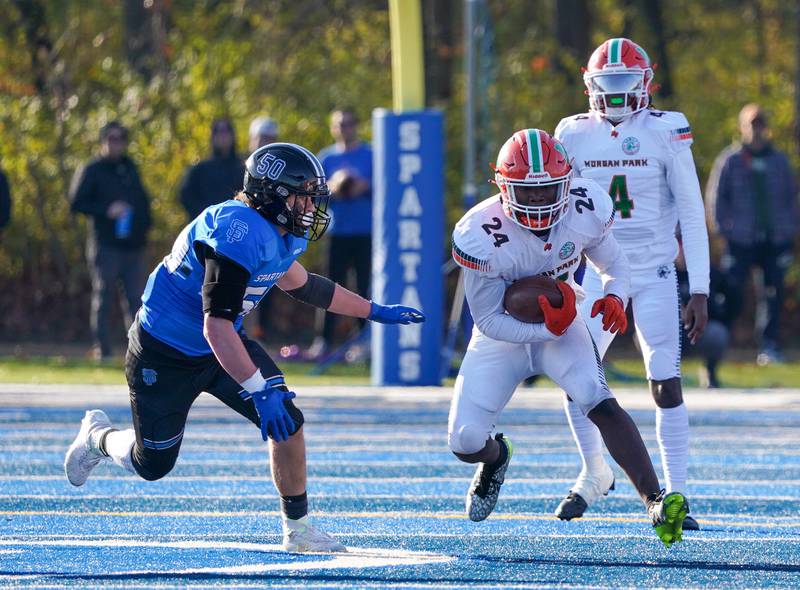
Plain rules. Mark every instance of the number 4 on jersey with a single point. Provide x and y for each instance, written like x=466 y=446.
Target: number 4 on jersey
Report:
x=619 y=194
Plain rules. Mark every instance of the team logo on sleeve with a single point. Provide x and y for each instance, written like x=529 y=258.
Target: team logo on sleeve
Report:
x=630 y=145
x=566 y=251
x=237 y=231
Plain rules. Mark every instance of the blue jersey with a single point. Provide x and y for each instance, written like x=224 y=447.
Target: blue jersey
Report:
x=351 y=217
x=172 y=306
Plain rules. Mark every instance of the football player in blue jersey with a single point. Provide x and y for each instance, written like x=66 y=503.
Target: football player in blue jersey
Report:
x=188 y=337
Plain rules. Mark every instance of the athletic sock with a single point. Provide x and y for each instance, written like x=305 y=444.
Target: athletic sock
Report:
x=672 y=430
x=501 y=458
x=586 y=435
x=118 y=444
x=294 y=507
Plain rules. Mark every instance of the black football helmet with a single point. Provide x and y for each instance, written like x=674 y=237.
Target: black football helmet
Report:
x=276 y=172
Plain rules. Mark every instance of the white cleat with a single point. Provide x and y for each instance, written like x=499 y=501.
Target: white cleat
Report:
x=84 y=454
x=300 y=536
x=588 y=488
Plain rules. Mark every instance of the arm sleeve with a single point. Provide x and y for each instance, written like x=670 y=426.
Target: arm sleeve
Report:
x=144 y=204
x=683 y=183
x=608 y=258
x=224 y=284
x=793 y=208
x=5 y=202
x=485 y=298
x=82 y=194
x=716 y=192
x=187 y=192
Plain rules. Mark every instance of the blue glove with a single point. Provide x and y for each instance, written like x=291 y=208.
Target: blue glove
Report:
x=275 y=420
x=394 y=314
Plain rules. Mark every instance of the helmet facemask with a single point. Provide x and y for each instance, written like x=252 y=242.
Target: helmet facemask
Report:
x=309 y=212
x=618 y=94
x=534 y=217
x=306 y=217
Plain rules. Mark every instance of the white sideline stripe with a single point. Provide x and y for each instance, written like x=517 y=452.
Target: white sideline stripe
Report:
x=356 y=558
x=81 y=396
x=360 y=496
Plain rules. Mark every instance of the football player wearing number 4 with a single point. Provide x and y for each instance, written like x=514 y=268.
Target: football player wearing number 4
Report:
x=643 y=157
x=541 y=223
x=188 y=338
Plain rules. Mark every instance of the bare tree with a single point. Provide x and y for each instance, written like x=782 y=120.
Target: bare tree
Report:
x=653 y=11
x=572 y=20
x=438 y=19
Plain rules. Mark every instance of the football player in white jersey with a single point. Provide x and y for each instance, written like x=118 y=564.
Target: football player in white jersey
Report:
x=643 y=157
x=540 y=224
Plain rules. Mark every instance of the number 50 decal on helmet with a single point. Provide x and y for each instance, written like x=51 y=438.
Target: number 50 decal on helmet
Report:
x=533 y=173
x=618 y=79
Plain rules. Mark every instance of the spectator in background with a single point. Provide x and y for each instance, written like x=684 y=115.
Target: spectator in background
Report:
x=5 y=202
x=263 y=130
x=217 y=178
x=348 y=166
x=712 y=344
x=108 y=189
x=752 y=198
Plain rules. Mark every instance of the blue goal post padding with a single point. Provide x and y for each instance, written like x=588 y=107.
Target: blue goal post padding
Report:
x=407 y=246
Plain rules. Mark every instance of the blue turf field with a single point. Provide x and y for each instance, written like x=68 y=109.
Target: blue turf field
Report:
x=382 y=480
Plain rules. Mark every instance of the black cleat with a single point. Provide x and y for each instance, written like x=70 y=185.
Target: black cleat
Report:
x=573 y=506
x=689 y=523
x=485 y=488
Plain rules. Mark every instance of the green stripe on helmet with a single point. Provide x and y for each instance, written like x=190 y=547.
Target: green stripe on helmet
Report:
x=535 y=150
x=614 y=51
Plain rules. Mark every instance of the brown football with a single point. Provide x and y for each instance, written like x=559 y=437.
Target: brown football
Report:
x=522 y=298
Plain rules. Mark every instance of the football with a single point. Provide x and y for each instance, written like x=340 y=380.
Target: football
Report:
x=521 y=299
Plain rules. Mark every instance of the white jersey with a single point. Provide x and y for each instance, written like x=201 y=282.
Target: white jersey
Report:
x=496 y=252
x=645 y=163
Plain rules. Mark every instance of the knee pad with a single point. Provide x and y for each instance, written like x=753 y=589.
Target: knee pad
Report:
x=151 y=464
x=467 y=439
x=663 y=366
x=667 y=393
x=296 y=414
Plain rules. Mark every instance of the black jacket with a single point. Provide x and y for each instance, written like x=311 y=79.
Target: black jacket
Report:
x=210 y=182
x=5 y=201
x=100 y=183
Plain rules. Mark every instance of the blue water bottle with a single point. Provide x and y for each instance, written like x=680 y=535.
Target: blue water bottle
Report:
x=122 y=229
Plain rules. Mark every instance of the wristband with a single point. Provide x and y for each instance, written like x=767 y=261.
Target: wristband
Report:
x=254 y=382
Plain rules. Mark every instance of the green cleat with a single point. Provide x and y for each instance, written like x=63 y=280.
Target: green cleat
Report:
x=668 y=513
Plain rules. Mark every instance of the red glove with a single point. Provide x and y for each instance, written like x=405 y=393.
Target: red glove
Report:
x=558 y=319
x=613 y=310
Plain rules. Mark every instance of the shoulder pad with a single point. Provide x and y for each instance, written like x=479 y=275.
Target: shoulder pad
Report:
x=598 y=220
x=241 y=234
x=571 y=124
x=472 y=246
